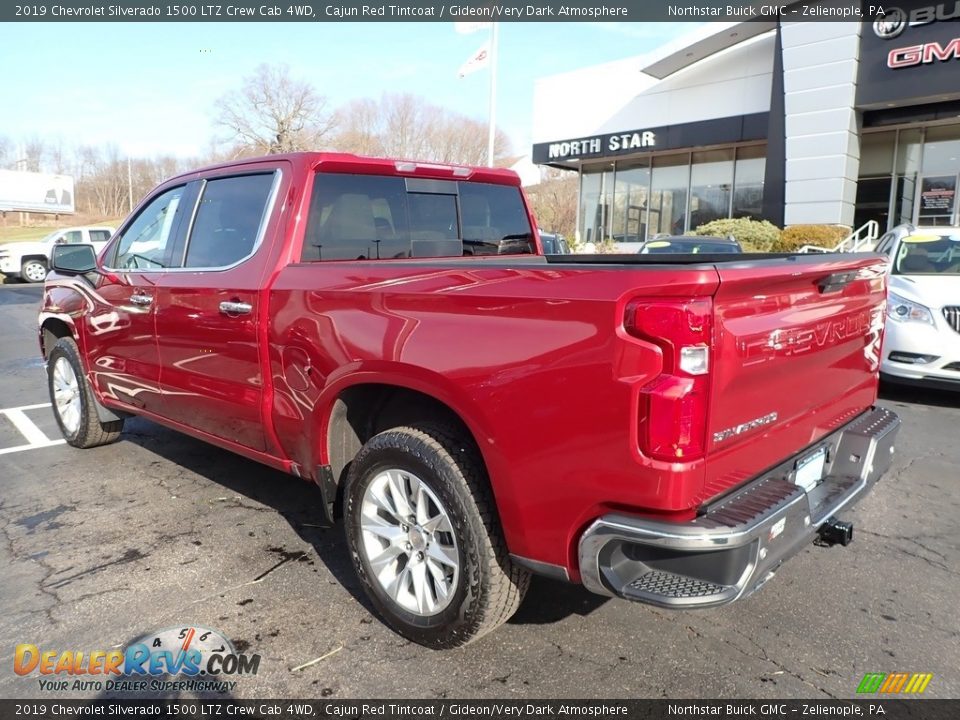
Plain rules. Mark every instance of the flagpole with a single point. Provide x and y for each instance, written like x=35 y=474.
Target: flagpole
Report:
x=491 y=133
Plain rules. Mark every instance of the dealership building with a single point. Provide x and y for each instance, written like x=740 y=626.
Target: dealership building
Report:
x=836 y=123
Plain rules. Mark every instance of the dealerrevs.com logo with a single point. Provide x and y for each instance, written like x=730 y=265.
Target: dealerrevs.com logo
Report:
x=183 y=659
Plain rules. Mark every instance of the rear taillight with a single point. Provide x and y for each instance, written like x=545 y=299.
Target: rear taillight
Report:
x=673 y=406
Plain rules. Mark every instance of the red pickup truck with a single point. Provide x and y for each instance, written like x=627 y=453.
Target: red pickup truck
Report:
x=667 y=429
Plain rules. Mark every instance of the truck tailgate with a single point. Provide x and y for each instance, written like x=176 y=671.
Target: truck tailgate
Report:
x=796 y=354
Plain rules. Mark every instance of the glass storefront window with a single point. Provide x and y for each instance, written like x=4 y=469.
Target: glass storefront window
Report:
x=876 y=153
x=630 y=199
x=938 y=185
x=668 y=194
x=711 y=184
x=672 y=194
x=595 y=190
x=748 y=183
x=909 y=151
x=873 y=185
x=941 y=151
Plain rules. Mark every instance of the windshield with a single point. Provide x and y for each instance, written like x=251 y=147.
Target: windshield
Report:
x=51 y=236
x=928 y=254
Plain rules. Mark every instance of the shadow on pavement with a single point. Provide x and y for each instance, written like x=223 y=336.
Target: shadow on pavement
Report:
x=14 y=292
x=299 y=503
x=549 y=601
x=894 y=393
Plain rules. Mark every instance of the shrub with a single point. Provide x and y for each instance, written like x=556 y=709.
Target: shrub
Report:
x=796 y=236
x=606 y=246
x=753 y=235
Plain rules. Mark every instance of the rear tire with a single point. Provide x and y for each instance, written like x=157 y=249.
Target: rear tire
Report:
x=71 y=397
x=33 y=271
x=423 y=532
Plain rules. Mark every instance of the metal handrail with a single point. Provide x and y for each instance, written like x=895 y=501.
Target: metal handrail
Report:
x=857 y=241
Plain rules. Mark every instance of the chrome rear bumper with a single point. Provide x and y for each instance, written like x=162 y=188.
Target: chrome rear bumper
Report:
x=738 y=542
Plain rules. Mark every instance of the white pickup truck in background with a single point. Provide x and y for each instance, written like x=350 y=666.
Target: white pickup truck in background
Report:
x=29 y=260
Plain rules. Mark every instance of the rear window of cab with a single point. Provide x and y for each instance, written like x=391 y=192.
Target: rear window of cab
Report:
x=373 y=217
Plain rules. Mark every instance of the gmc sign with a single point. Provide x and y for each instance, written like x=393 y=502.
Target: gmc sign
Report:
x=908 y=58
x=923 y=54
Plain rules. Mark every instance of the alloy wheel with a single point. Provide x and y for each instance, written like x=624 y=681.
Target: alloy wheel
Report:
x=66 y=393
x=409 y=542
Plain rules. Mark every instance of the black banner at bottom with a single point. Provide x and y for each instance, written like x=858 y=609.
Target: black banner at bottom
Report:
x=880 y=708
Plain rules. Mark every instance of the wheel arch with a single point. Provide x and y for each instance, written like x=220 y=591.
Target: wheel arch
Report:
x=52 y=328
x=363 y=404
x=55 y=327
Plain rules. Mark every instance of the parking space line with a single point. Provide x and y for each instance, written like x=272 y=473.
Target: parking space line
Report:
x=30 y=407
x=21 y=448
x=26 y=427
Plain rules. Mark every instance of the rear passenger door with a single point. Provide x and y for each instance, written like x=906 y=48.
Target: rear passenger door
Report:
x=208 y=310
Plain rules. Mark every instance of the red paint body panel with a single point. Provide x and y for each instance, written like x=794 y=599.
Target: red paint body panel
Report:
x=533 y=356
x=528 y=357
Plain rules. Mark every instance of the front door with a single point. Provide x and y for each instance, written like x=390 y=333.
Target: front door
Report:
x=208 y=312
x=120 y=334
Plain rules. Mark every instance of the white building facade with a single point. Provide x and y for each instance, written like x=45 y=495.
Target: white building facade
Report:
x=798 y=123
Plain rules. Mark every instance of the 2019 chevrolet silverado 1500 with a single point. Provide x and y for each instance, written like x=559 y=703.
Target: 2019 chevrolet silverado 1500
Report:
x=667 y=429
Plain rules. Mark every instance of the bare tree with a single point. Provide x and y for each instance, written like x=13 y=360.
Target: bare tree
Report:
x=554 y=201
x=58 y=157
x=34 y=153
x=6 y=153
x=407 y=126
x=274 y=112
x=360 y=128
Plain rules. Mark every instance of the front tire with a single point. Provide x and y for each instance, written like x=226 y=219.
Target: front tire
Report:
x=425 y=540
x=33 y=271
x=71 y=397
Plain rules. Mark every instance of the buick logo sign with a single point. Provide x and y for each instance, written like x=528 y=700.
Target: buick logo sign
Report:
x=892 y=23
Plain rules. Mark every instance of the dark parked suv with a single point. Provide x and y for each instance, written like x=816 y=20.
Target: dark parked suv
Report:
x=697 y=244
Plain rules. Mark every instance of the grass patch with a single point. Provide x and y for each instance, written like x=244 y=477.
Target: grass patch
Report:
x=24 y=234
x=18 y=233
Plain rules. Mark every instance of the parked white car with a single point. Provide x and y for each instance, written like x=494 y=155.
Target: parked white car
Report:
x=29 y=260
x=921 y=345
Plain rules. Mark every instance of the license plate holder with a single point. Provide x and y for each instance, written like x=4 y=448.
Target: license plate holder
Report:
x=809 y=470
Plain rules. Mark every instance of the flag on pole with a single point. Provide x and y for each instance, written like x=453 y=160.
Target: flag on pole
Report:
x=465 y=28
x=479 y=60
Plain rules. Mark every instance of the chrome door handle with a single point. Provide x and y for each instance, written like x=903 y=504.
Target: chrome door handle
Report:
x=236 y=308
x=140 y=299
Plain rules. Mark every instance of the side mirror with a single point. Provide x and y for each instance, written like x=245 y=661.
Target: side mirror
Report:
x=73 y=259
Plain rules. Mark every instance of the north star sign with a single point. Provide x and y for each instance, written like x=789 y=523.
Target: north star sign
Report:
x=594 y=145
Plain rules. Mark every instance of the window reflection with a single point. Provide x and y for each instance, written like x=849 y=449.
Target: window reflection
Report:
x=630 y=200
x=711 y=185
x=672 y=194
x=748 y=183
x=668 y=194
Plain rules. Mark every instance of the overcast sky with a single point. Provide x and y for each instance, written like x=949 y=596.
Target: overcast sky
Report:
x=150 y=87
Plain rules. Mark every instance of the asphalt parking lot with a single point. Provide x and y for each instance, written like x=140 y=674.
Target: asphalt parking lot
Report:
x=159 y=530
